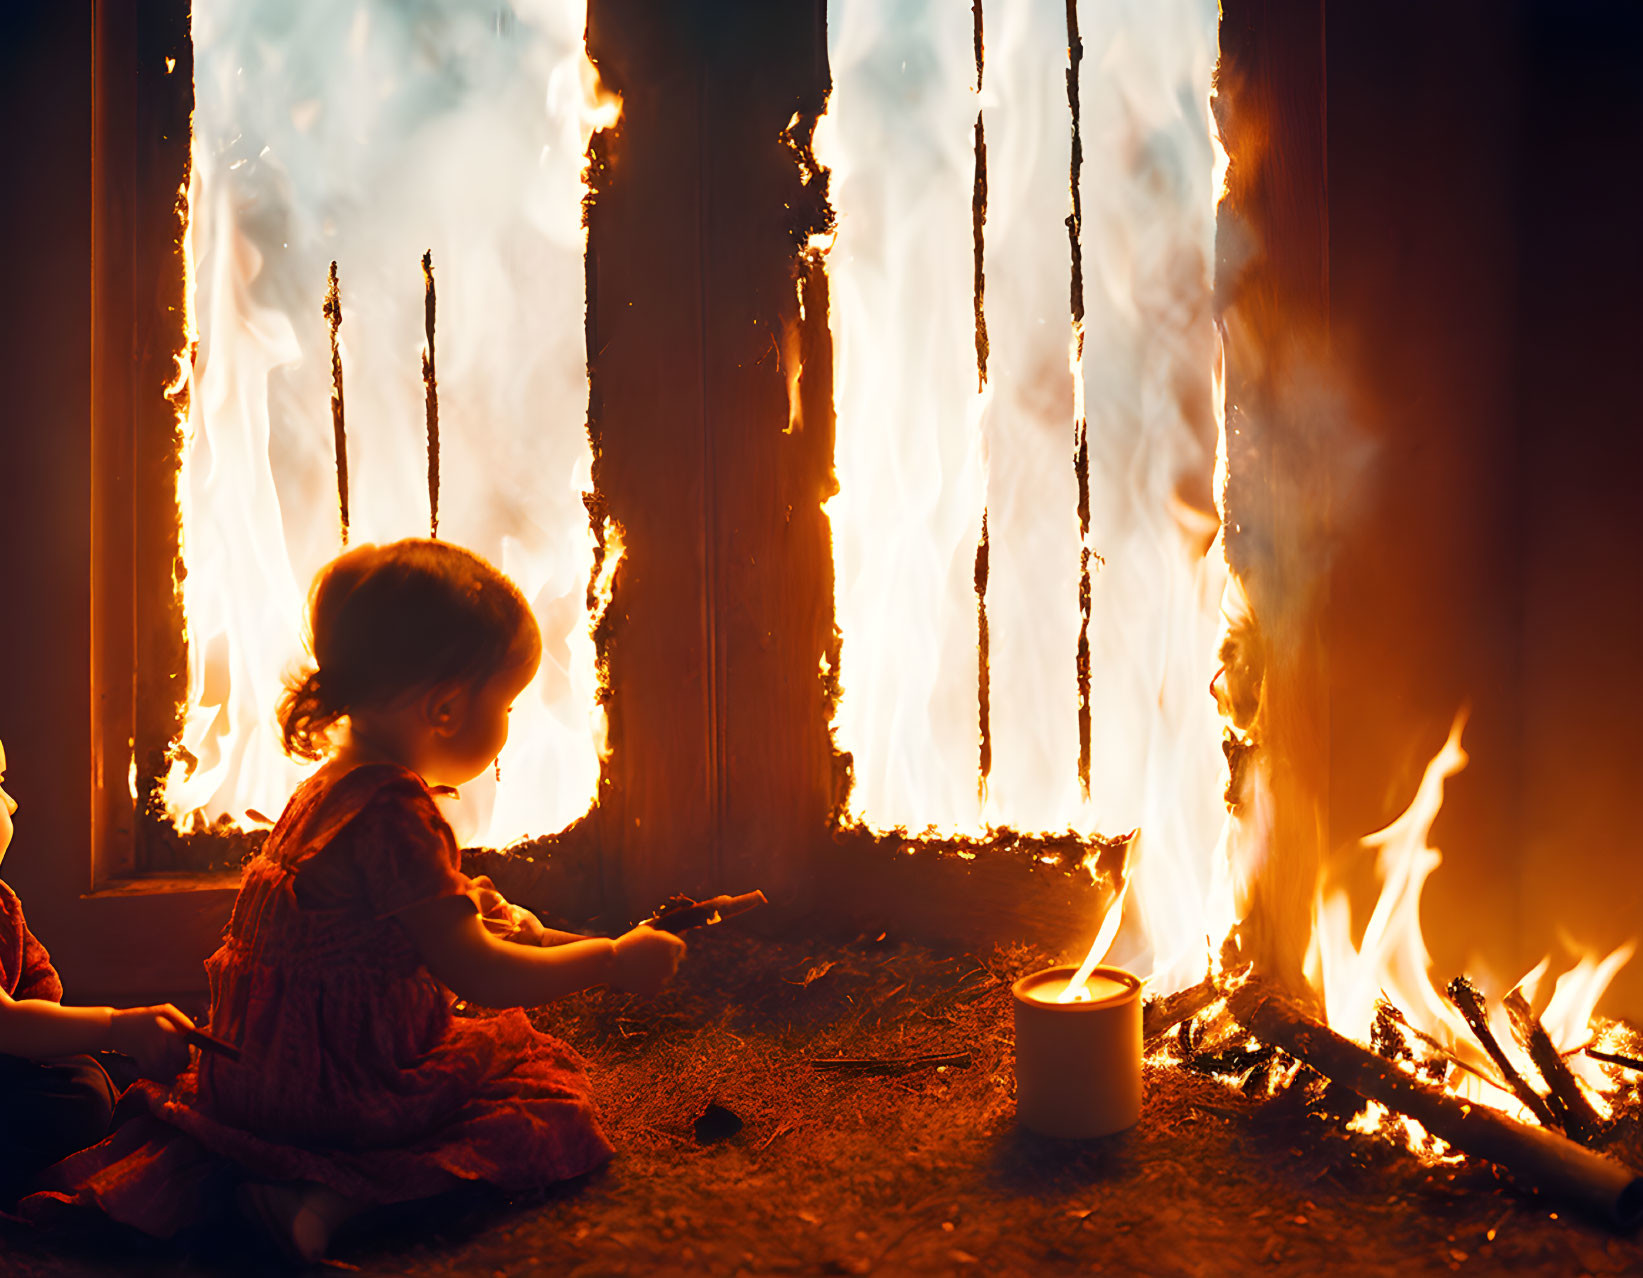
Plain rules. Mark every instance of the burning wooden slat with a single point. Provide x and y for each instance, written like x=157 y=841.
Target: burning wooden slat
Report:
x=1081 y=439
x=1568 y=1103
x=430 y=389
x=978 y=229
x=333 y=316
x=978 y=214
x=1533 y=1157
x=1468 y=1001
x=984 y=707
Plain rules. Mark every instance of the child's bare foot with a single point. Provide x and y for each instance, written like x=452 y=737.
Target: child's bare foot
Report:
x=297 y=1218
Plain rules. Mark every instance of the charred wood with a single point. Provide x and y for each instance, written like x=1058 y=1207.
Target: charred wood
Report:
x=430 y=391
x=1468 y=1001
x=333 y=317
x=681 y=913
x=1568 y=1103
x=1436 y=1049
x=983 y=675
x=1160 y=1015
x=1614 y=1058
x=1533 y=1157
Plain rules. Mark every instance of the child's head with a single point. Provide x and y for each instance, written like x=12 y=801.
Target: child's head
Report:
x=7 y=806
x=419 y=628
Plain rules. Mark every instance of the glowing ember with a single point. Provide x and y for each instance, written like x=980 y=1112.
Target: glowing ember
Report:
x=370 y=134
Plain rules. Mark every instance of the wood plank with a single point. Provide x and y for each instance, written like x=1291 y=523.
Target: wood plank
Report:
x=656 y=809
x=768 y=379
x=164 y=73
x=113 y=512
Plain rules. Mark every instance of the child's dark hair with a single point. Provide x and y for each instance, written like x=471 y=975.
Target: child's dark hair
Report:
x=384 y=621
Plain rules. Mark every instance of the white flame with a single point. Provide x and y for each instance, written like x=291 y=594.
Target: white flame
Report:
x=921 y=452
x=367 y=133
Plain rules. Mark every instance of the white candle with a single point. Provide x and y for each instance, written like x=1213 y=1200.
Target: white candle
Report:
x=1078 y=1063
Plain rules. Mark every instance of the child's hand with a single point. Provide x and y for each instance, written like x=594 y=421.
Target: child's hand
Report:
x=502 y=917
x=149 y=1035
x=645 y=958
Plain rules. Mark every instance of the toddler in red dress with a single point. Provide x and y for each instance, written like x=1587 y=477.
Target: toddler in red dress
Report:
x=356 y=1086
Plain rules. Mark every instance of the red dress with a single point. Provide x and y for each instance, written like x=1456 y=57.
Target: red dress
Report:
x=353 y=1073
x=25 y=967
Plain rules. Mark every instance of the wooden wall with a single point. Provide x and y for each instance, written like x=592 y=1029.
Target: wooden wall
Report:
x=721 y=771
x=1445 y=196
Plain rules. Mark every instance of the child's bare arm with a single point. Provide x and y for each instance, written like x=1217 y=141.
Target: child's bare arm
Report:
x=478 y=966
x=40 y=1030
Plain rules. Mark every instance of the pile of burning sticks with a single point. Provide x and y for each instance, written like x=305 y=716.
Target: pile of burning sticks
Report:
x=1256 y=1037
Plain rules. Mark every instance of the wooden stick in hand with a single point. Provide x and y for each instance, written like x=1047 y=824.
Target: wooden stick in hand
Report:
x=681 y=913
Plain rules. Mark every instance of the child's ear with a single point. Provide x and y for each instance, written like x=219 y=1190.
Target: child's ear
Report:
x=444 y=708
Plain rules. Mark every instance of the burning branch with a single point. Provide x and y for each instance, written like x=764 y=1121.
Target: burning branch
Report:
x=430 y=387
x=1160 y=1015
x=1468 y=1000
x=333 y=316
x=1614 y=1058
x=1533 y=1157
x=1568 y=1103
x=1385 y=1012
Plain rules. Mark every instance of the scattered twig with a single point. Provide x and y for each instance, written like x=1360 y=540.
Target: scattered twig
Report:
x=892 y=1065
x=1614 y=1058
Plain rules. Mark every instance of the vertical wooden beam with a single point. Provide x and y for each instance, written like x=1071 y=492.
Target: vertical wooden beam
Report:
x=1272 y=290
x=160 y=355
x=714 y=433
x=113 y=512
x=768 y=396
x=657 y=814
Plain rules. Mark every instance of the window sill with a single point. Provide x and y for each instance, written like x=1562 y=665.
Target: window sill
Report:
x=168 y=884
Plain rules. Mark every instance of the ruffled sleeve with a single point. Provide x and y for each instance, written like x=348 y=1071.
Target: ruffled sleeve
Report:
x=403 y=851
x=25 y=966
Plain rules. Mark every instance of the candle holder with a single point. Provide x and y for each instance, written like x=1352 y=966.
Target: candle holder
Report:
x=1078 y=1064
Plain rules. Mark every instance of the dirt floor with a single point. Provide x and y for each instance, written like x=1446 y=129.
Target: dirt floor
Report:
x=923 y=1171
